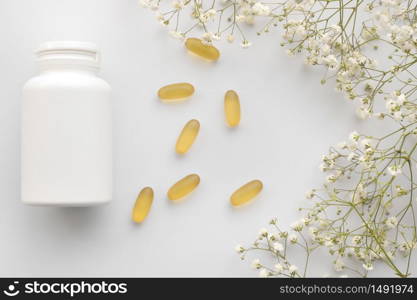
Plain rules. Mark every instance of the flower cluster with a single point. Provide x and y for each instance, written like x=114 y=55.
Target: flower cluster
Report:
x=212 y=20
x=365 y=211
x=278 y=245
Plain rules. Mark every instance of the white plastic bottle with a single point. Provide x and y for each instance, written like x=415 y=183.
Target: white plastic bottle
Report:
x=66 y=129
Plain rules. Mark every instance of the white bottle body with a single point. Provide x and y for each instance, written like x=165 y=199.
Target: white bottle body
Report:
x=66 y=144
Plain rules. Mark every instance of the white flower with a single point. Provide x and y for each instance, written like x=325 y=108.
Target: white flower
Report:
x=404 y=247
x=245 y=44
x=240 y=18
x=339 y=265
x=366 y=143
x=256 y=264
x=394 y=170
x=176 y=34
x=331 y=178
x=230 y=38
x=159 y=17
x=239 y=249
x=289 y=52
x=391 y=222
x=263 y=232
x=292 y=269
x=325 y=49
x=313 y=231
x=264 y=273
x=356 y=240
x=278 y=247
x=279 y=268
x=261 y=10
x=310 y=194
x=149 y=4
x=293 y=238
x=342 y=145
x=211 y=12
x=360 y=194
x=178 y=4
x=379 y=116
x=398 y=115
x=328 y=241
x=401 y=99
x=331 y=61
x=368 y=266
x=363 y=113
x=354 y=136
x=208 y=37
x=144 y=3
x=297 y=226
x=352 y=156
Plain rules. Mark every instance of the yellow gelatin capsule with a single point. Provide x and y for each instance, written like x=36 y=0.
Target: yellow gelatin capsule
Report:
x=142 y=205
x=187 y=136
x=197 y=47
x=232 y=108
x=246 y=193
x=183 y=187
x=176 y=91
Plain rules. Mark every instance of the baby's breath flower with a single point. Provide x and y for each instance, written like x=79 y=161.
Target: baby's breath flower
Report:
x=278 y=247
x=354 y=136
x=394 y=170
x=293 y=238
x=279 y=268
x=264 y=273
x=368 y=266
x=178 y=4
x=256 y=264
x=239 y=249
x=310 y=194
x=176 y=34
x=261 y=10
x=263 y=232
x=297 y=226
x=292 y=269
x=339 y=265
x=230 y=38
x=245 y=44
x=391 y=222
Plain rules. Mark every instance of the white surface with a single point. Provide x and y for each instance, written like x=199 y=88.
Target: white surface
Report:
x=288 y=121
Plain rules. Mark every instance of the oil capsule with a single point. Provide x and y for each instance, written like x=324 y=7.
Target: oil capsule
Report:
x=187 y=136
x=246 y=192
x=176 y=91
x=197 y=47
x=142 y=205
x=183 y=187
x=232 y=108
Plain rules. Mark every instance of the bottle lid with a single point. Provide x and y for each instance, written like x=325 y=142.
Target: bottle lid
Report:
x=67 y=45
x=69 y=52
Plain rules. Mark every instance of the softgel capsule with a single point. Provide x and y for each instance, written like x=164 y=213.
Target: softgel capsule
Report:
x=246 y=193
x=197 y=47
x=142 y=205
x=183 y=187
x=187 y=136
x=176 y=91
x=232 y=108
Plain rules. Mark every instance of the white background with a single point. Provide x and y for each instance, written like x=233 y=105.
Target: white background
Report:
x=289 y=120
